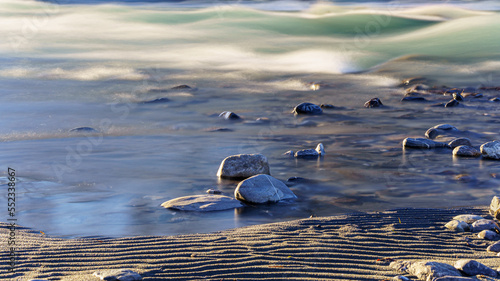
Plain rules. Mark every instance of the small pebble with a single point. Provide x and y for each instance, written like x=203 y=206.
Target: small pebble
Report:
x=458 y=226
x=457 y=97
x=422 y=143
x=375 y=102
x=289 y=153
x=307 y=108
x=228 y=115
x=213 y=191
x=488 y=235
x=306 y=153
x=320 y=149
x=460 y=141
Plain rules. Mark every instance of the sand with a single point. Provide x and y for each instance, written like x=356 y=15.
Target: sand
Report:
x=328 y=248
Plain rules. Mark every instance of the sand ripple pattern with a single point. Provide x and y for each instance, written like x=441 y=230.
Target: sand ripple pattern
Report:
x=332 y=248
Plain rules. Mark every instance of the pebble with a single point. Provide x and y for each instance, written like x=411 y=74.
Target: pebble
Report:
x=459 y=141
x=202 y=203
x=228 y=115
x=308 y=108
x=432 y=133
x=428 y=270
x=158 y=100
x=457 y=97
x=213 y=191
x=243 y=166
x=320 y=149
x=485 y=224
x=422 y=143
x=413 y=98
x=458 y=226
x=219 y=130
x=468 y=218
x=445 y=127
x=452 y=103
x=375 y=102
x=488 y=235
x=289 y=153
x=306 y=153
x=473 y=268
x=118 y=275
x=466 y=151
x=495 y=207
x=495 y=247
x=491 y=150
x=83 y=130
x=261 y=189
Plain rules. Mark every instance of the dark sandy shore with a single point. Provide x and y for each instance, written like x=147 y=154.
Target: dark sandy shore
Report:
x=343 y=247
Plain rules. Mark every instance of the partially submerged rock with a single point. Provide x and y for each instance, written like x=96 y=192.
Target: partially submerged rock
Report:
x=83 y=130
x=228 y=115
x=473 y=268
x=261 y=189
x=320 y=149
x=491 y=150
x=307 y=108
x=375 y=102
x=460 y=141
x=466 y=151
x=422 y=143
x=202 y=203
x=243 y=166
x=118 y=275
x=307 y=153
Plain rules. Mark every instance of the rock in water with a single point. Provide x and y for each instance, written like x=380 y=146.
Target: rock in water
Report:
x=83 y=130
x=202 y=203
x=307 y=153
x=375 y=102
x=430 y=270
x=118 y=275
x=422 y=143
x=320 y=149
x=228 y=115
x=158 y=100
x=491 y=150
x=181 y=87
x=243 y=166
x=473 y=268
x=308 y=108
x=495 y=207
x=445 y=127
x=460 y=141
x=454 y=278
x=466 y=151
x=262 y=189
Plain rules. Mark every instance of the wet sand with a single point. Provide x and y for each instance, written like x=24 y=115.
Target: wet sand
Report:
x=343 y=247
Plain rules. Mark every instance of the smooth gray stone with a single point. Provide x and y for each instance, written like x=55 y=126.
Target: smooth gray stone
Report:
x=261 y=189
x=473 y=268
x=491 y=150
x=485 y=224
x=306 y=153
x=308 y=108
x=459 y=141
x=228 y=115
x=466 y=151
x=468 y=218
x=428 y=270
x=202 y=203
x=83 y=130
x=118 y=275
x=494 y=247
x=488 y=235
x=495 y=207
x=458 y=226
x=243 y=166
x=432 y=133
x=422 y=143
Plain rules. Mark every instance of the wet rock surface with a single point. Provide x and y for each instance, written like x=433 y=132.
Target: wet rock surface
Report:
x=243 y=166
x=307 y=108
x=202 y=203
x=261 y=189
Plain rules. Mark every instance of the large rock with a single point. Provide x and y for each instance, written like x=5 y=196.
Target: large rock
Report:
x=428 y=270
x=495 y=207
x=473 y=268
x=262 y=189
x=485 y=224
x=243 y=166
x=118 y=275
x=468 y=218
x=202 y=203
x=491 y=150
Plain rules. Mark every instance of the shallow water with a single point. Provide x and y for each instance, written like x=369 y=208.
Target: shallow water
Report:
x=66 y=71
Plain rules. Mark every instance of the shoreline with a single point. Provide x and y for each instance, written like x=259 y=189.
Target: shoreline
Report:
x=341 y=247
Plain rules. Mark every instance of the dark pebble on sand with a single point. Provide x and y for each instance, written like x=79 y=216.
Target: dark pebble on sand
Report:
x=375 y=102
x=307 y=108
x=181 y=87
x=228 y=115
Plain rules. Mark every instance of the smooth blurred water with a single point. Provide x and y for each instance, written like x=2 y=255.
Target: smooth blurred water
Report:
x=77 y=65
